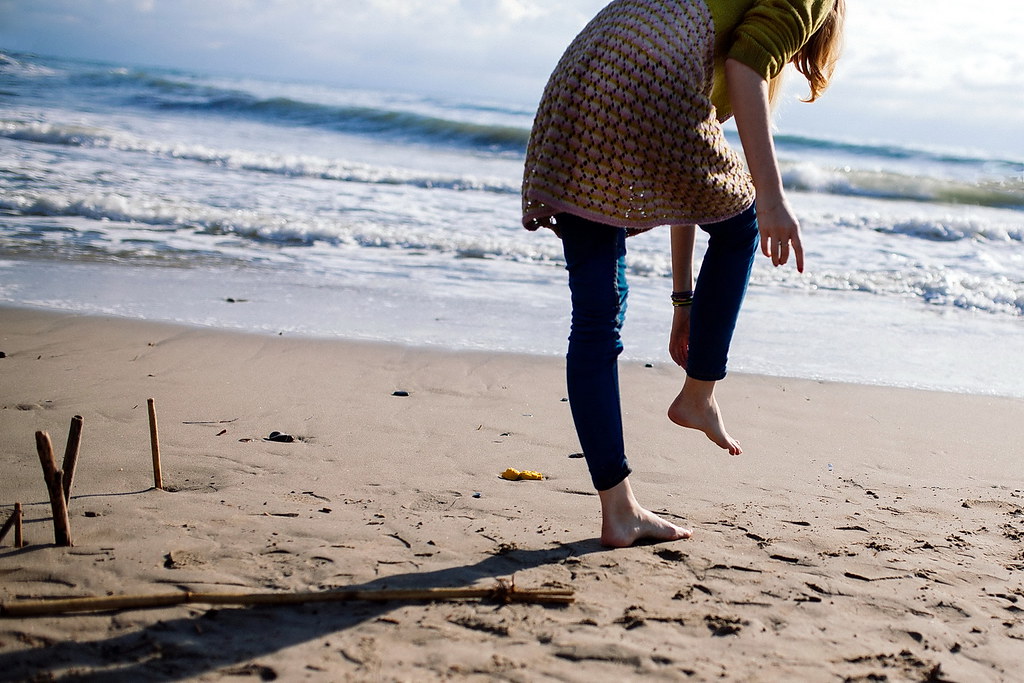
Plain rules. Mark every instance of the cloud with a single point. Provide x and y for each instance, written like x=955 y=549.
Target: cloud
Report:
x=449 y=45
x=902 y=46
x=903 y=59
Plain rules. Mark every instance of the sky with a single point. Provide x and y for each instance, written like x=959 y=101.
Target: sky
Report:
x=921 y=71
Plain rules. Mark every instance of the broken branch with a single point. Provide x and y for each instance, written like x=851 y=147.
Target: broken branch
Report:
x=502 y=592
x=154 y=443
x=54 y=484
x=71 y=454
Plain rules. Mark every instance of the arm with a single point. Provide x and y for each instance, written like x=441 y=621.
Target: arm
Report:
x=682 y=258
x=682 y=281
x=748 y=93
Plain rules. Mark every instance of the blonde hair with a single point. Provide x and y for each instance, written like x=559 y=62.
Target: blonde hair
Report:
x=816 y=60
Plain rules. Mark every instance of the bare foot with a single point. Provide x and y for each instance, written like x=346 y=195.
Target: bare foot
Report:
x=696 y=408
x=624 y=522
x=645 y=525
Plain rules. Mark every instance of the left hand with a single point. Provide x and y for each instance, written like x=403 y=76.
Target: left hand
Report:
x=780 y=234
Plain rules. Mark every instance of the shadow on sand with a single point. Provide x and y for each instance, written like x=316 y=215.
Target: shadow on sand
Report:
x=187 y=647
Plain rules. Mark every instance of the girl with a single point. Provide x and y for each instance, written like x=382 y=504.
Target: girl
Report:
x=627 y=137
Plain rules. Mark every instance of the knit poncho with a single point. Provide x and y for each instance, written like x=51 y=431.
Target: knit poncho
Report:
x=627 y=132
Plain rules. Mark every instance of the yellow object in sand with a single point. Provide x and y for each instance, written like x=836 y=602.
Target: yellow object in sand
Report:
x=513 y=474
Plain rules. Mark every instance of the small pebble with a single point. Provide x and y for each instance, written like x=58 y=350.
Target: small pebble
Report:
x=3 y=355
x=400 y=393
x=280 y=438
x=476 y=495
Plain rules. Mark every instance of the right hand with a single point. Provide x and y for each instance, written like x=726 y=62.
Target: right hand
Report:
x=679 y=338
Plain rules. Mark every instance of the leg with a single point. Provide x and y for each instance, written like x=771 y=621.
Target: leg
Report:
x=721 y=287
x=595 y=259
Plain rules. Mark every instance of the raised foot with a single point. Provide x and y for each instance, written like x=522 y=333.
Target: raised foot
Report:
x=704 y=416
x=642 y=525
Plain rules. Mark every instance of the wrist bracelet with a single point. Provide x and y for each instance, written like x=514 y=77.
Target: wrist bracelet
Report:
x=682 y=298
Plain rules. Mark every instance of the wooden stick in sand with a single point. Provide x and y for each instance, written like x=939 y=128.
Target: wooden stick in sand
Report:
x=503 y=592
x=19 y=540
x=54 y=483
x=71 y=454
x=154 y=442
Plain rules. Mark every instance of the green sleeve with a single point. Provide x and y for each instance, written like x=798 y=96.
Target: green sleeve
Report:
x=772 y=31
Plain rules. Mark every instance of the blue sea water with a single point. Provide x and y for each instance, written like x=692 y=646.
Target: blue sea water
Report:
x=312 y=210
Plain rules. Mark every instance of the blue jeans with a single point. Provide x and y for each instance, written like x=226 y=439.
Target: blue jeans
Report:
x=595 y=256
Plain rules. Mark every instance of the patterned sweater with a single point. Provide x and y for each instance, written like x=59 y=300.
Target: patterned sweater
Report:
x=628 y=131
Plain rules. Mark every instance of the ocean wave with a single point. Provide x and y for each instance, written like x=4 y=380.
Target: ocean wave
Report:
x=404 y=125
x=419 y=119
x=177 y=221
x=936 y=228
x=787 y=142
x=1007 y=193
x=949 y=228
x=955 y=229
x=170 y=215
x=168 y=93
x=804 y=176
x=935 y=286
x=287 y=165
x=24 y=68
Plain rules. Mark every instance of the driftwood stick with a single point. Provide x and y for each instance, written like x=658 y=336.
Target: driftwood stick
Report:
x=154 y=442
x=54 y=484
x=19 y=540
x=37 y=608
x=71 y=454
x=501 y=593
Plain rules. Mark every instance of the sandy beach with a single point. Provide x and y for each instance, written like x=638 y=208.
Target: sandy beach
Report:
x=867 y=533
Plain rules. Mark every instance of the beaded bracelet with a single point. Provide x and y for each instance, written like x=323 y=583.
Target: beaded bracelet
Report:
x=682 y=298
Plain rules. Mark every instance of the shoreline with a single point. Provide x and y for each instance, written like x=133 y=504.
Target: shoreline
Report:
x=866 y=531
x=844 y=337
